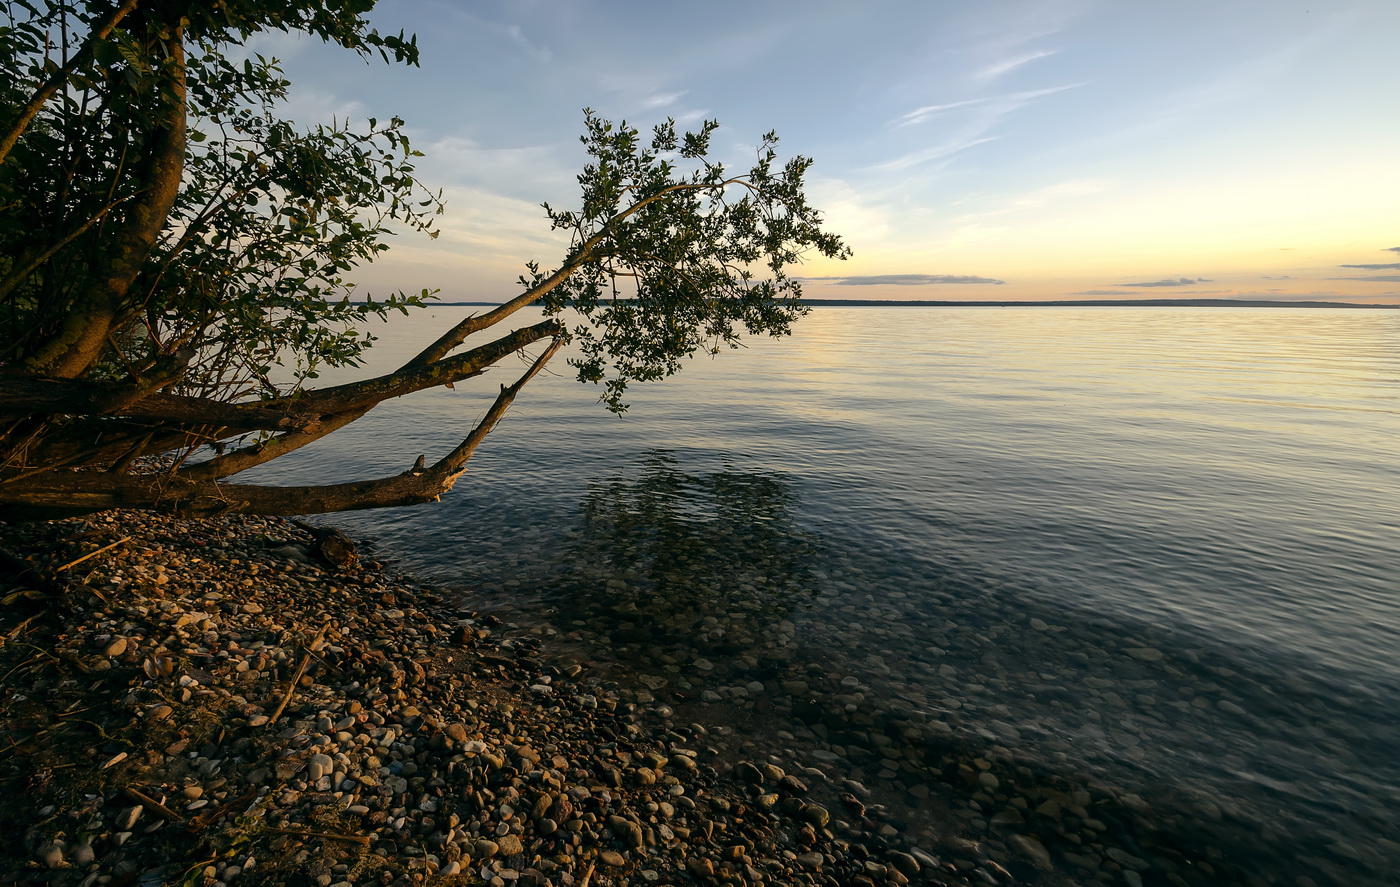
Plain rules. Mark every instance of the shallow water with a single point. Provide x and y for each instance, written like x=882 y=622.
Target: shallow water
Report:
x=1156 y=546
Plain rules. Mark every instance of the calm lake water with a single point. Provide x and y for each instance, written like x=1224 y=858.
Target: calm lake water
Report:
x=1158 y=546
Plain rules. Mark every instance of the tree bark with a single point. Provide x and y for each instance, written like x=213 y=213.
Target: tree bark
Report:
x=81 y=339
x=21 y=396
x=68 y=493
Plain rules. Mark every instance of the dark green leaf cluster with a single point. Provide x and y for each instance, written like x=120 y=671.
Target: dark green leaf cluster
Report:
x=251 y=266
x=673 y=254
x=270 y=221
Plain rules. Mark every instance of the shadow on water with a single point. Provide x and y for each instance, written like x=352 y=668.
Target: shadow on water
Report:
x=668 y=564
x=940 y=689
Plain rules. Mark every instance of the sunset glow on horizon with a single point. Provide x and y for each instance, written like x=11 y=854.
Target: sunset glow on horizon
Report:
x=1067 y=149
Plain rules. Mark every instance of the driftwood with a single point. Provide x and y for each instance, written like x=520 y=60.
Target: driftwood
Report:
x=301 y=670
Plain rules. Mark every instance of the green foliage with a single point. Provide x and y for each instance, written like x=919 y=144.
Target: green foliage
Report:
x=167 y=240
x=675 y=254
x=271 y=221
x=251 y=268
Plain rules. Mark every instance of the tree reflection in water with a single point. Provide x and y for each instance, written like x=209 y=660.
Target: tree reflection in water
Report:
x=671 y=566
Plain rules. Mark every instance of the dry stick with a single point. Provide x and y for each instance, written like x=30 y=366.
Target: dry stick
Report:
x=152 y=805
x=587 y=876
x=301 y=670
x=124 y=539
x=362 y=840
x=21 y=627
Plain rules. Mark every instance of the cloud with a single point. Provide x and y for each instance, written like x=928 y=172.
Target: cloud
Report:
x=1011 y=63
x=517 y=34
x=1280 y=277
x=533 y=171
x=977 y=128
x=1393 y=249
x=661 y=100
x=1139 y=295
x=1375 y=278
x=1179 y=281
x=919 y=115
x=997 y=105
x=1277 y=296
x=906 y=279
x=1393 y=266
x=928 y=155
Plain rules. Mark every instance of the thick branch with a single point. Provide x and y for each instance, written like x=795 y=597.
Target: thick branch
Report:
x=475 y=324
x=310 y=416
x=21 y=396
x=102 y=29
x=87 y=324
x=416 y=377
x=454 y=462
x=244 y=458
x=79 y=492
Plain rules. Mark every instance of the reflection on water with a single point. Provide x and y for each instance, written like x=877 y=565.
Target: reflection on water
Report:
x=666 y=559
x=1155 y=546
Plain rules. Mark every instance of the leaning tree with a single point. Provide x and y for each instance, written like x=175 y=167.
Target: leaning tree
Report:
x=174 y=261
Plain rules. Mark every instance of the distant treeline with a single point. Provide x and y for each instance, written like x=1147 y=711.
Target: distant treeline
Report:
x=1065 y=303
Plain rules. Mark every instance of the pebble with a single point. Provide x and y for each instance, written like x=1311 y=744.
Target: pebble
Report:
x=1033 y=850
x=505 y=757
x=51 y=854
x=1144 y=654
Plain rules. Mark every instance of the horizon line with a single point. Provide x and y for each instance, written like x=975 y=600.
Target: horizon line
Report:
x=1054 y=303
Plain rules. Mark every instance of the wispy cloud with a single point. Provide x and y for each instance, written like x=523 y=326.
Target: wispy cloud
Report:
x=929 y=155
x=1392 y=266
x=906 y=279
x=661 y=100
x=996 y=105
x=1179 y=281
x=533 y=171
x=919 y=115
x=1006 y=65
x=1374 y=278
x=1393 y=249
x=1280 y=277
x=1315 y=296
x=1139 y=295
x=517 y=35
x=974 y=128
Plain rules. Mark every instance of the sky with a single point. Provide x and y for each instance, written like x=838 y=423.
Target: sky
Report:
x=989 y=150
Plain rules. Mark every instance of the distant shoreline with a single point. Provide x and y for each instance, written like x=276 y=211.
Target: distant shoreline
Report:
x=1073 y=303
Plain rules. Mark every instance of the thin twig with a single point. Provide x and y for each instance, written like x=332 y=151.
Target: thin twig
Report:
x=14 y=632
x=152 y=804
x=587 y=876
x=301 y=670
x=120 y=541
x=362 y=840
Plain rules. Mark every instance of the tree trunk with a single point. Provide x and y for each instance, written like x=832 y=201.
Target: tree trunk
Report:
x=83 y=336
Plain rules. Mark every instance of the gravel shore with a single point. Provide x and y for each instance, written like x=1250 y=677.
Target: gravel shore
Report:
x=217 y=703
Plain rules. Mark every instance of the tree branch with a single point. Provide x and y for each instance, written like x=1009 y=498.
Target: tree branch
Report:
x=28 y=265
x=65 y=493
x=101 y=30
x=21 y=396
x=459 y=333
x=83 y=335
x=415 y=376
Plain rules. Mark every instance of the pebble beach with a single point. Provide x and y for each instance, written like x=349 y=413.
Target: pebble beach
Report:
x=244 y=701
